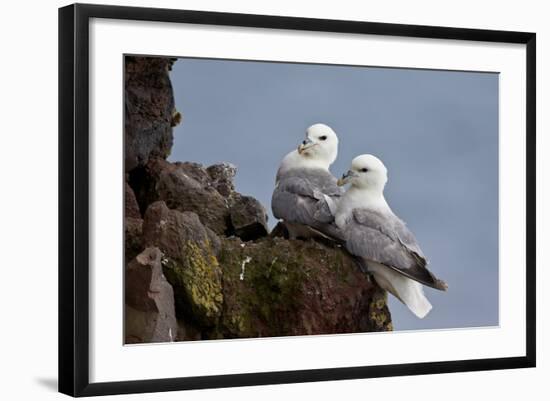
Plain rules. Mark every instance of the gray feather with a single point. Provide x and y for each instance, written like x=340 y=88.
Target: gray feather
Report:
x=300 y=196
x=387 y=240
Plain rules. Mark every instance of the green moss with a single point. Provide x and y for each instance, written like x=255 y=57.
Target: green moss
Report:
x=197 y=282
x=268 y=297
x=276 y=282
x=268 y=291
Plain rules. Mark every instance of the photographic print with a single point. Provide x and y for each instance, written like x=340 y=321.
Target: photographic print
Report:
x=267 y=199
x=244 y=191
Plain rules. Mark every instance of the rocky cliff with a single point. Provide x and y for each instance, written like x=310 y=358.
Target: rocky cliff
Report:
x=200 y=260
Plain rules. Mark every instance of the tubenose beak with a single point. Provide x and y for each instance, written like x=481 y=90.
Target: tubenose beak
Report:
x=306 y=144
x=346 y=178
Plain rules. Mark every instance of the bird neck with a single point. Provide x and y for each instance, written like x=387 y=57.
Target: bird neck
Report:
x=370 y=198
x=359 y=198
x=294 y=160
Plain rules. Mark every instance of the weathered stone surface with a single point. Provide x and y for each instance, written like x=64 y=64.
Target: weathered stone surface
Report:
x=131 y=207
x=277 y=287
x=279 y=230
x=190 y=262
x=133 y=243
x=209 y=192
x=182 y=186
x=288 y=287
x=149 y=110
x=149 y=314
x=188 y=332
x=132 y=225
x=222 y=177
x=181 y=190
x=248 y=217
x=143 y=181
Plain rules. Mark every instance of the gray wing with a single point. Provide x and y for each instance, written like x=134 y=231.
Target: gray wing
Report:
x=307 y=197
x=387 y=240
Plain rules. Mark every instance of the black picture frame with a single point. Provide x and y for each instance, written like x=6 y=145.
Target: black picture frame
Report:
x=74 y=198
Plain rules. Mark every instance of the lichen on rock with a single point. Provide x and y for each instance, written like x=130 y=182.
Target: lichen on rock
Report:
x=190 y=263
x=197 y=279
x=294 y=288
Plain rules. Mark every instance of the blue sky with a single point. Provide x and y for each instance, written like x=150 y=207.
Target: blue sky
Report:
x=436 y=131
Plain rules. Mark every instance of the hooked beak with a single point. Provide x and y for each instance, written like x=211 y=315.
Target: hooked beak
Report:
x=346 y=178
x=306 y=144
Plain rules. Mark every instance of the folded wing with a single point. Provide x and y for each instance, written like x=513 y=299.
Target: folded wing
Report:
x=387 y=240
x=307 y=197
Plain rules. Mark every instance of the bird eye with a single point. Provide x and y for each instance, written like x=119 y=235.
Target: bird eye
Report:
x=323 y=138
x=364 y=170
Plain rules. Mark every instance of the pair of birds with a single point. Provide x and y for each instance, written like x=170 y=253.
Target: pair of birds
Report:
x=312 y=203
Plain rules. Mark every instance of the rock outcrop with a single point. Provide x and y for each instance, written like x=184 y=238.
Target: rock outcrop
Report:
x=277 y=287
x=149 y=110
x=149 y=313
x=247 y=217
x=223 y=273
x=132 y=225
x=208 y=192
x=190 y=262
x=182 y=186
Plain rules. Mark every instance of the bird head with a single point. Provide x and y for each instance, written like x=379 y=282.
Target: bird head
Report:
x=367 y=171
x=321 y=143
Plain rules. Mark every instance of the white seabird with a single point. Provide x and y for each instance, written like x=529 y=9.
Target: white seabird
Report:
x=375 y=234
x=306 y=193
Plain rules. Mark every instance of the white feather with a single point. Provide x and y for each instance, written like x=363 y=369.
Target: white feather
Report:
x=294 y=160
x=408 y=291
x=331 y=204
x=367 y=192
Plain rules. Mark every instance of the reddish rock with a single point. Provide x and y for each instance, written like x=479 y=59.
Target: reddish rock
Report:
x=143 y=181
x=248 y=217
x=277 y=287
x=150 y=314
x=170 y=229
x=131 y=207
x=279 y=230
x=185 y=187
x=132 y=225
x=222 y=176
x=133 y=241
x=149 y=109
x=191 y=264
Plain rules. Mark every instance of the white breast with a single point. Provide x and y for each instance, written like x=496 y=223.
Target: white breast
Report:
x=355 y=198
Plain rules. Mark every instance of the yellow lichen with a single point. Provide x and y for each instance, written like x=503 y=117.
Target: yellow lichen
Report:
x=380 y=303
x=199 y=277
x=378 y=314
x=176 y=118
x=203 y=280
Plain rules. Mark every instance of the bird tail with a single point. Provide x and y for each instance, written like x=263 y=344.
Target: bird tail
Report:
x=408 y=291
